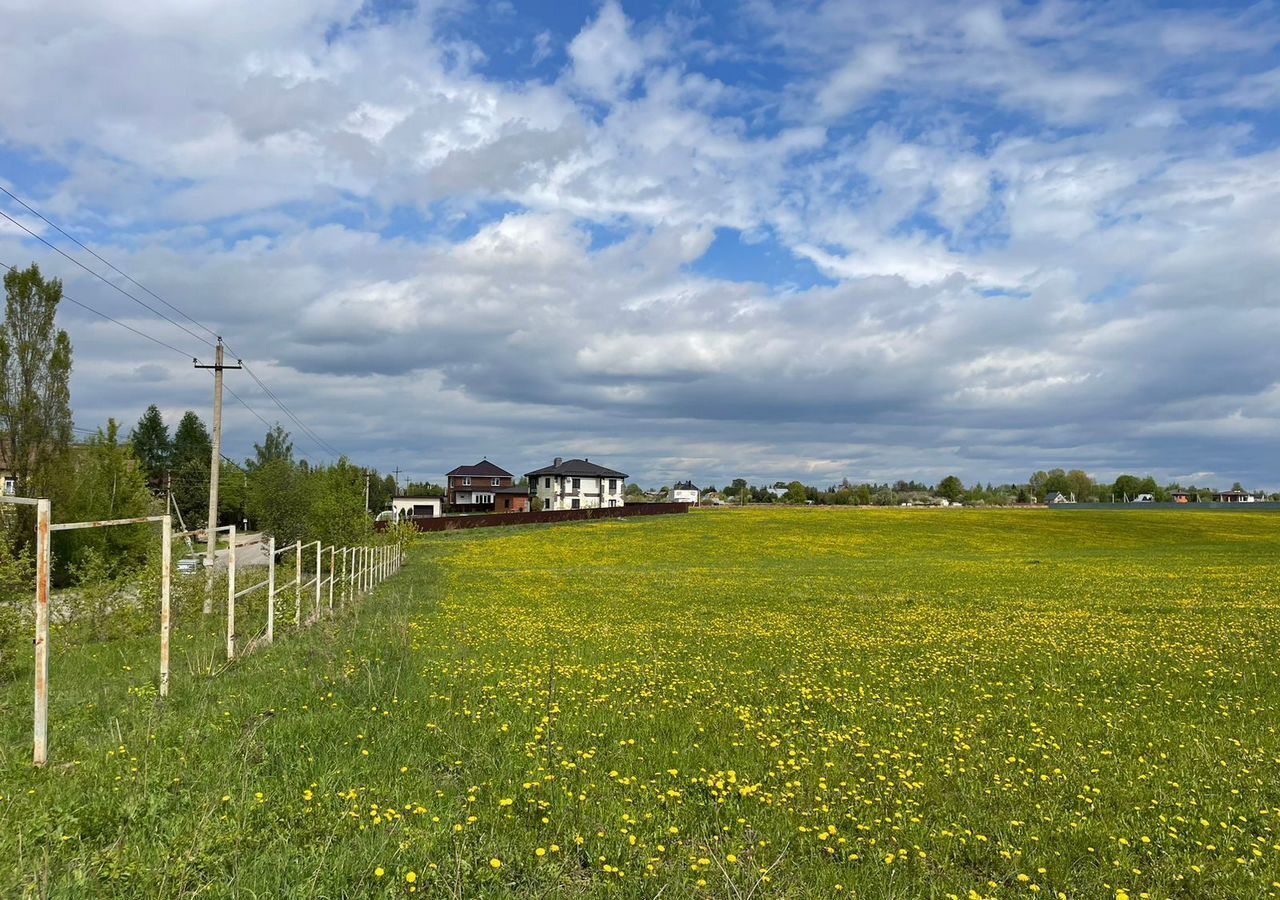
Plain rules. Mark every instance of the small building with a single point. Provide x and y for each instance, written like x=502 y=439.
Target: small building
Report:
x=405 y=508
x=1234 y=497
x=484 y=487
x=576 y=484
x=1058 y=497
x=1183 y=496
x=684 y=492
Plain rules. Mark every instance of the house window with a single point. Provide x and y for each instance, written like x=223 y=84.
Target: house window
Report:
x=576 y=502
x=548 y=483
x=10 y=487
x=613 y=502
x=613 y=485
x=506 y=504
x=577 y=484
x=466 y=482
x=496 y=482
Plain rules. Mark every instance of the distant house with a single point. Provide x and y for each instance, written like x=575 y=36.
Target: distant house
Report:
x=405 y=508
x=1234 y=497
x=576 y=484
x=1145 y=498
x=1058 y=497
x=1183 y=496
x=484 y=487
x=684 y=492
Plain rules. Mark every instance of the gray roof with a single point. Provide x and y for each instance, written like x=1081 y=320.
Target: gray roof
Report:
x=684 y=486
x=579 y=467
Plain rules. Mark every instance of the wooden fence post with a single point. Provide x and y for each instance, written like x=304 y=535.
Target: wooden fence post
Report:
x=271 y=590
x=40 y=752
x=166 y=553
x=231 y=590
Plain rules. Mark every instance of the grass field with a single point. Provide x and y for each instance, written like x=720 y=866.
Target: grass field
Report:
x=795 y=703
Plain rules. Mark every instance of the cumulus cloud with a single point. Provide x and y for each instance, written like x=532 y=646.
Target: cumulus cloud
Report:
x=983 y=242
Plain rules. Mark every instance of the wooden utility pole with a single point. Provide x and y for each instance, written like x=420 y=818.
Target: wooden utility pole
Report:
x=215 y=463
x=366 y=490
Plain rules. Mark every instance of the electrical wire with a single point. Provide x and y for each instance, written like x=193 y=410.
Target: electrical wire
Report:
x=54 y=225
x=143 y=334
x=109 y=284
x=318 y=441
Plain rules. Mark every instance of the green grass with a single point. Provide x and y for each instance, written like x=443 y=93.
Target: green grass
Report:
x=875 y=703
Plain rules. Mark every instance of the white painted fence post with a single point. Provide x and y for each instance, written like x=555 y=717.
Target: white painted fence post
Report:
x=166 y=553
x=40 y=752
x=319 y=573
x=333 y=558
x=231 y=591
x=271 y=590
x=297 y=585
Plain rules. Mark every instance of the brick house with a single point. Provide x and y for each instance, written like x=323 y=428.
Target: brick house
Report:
x=484 y=487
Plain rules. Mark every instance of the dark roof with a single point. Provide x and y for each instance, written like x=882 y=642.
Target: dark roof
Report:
x=578 y=467
x=484 y=469
x=684 y=486
x=514 y=489
x=417 y=497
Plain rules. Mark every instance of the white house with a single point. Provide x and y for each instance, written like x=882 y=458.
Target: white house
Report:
x=576 y=484
x=404 y=508
x=684 y=492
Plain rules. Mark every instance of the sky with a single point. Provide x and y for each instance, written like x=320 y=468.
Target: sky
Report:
x=760 y=239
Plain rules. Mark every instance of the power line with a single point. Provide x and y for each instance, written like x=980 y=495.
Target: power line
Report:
x=109 y=284
x=143 y=334
x=320 y=442
x=35 y=212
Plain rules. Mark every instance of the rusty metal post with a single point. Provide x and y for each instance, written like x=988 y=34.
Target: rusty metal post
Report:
x=231 y=592
x=297 y=585
x=166 y=554
x=40 y=754
x=271 y=590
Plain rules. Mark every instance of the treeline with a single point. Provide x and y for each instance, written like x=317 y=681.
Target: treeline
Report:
x=1074 y=484
x=107 y=475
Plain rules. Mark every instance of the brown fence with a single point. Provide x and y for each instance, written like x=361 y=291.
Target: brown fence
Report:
x=498 y=520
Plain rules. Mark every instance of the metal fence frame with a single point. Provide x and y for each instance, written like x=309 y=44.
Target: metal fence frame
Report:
x=363 y=567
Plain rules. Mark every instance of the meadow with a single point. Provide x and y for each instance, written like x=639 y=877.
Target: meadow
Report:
x=758 y=703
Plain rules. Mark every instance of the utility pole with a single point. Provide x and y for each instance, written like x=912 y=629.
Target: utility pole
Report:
x=215 y=463
x=396 y=473
x=366 y=490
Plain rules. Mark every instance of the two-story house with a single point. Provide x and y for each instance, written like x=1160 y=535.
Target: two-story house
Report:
x=484 y=487
x=576 y=484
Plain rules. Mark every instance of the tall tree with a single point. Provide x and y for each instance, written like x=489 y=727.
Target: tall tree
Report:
x=35 y=373
x=192 y=446
x=276 y=445
x=152 y=447
x=951 y=488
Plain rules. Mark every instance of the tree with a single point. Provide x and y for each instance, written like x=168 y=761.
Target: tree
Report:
x=278 y=501
x=951 y=488
x=35 y=373
x=107 y=485
x=189 y=465
x=1127 y=487
x=276 y=445
x=152 y=447
x=796 y=493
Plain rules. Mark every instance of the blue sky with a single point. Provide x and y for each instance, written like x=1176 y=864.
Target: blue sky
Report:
x=778 y=240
